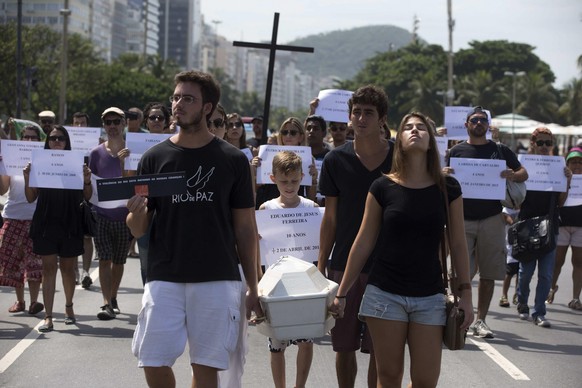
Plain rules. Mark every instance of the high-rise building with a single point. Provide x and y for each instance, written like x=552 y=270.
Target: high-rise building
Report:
x=114 y=26
x=180 y=32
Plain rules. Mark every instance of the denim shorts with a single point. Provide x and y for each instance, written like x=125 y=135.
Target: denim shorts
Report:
x=425 y=310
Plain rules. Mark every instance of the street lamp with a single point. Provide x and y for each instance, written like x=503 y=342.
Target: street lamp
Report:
x=514 y=75
x=65 y=12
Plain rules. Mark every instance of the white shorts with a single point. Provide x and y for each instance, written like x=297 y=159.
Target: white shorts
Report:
x=570 y=235
x=207 y=315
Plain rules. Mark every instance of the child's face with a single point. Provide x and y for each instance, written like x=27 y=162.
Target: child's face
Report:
x=287 y=184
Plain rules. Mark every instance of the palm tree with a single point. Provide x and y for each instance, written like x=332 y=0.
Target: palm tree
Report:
x=571 y=109
x=539 y=99
x=421 y=96
x=480 y=89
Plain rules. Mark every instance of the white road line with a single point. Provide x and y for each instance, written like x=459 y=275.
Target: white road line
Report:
x=20 y=347
x=503 y=362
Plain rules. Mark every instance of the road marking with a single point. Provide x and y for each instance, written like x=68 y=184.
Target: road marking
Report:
x=503 y=362
x=20 y=347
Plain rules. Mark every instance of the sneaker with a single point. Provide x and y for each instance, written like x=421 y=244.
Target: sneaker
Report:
x=35 y=308
x=523 y=311
x=114 y=306
x=503 y=302
x=17 y=307
x=106 y=313
x=87 y=281
x=480 y=329
x=541 y=321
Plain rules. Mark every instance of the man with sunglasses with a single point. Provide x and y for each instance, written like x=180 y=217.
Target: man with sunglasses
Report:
x=113 y=236
x=484 y=223
x=47 y=119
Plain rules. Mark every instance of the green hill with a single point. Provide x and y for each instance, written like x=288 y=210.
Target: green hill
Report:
x=342 y=53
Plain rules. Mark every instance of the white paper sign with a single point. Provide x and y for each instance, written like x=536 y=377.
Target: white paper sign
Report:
x=442 y=144
x=546 y=173
x=84 y=138
x=480 y=178
x=333 y=105
x=268 y=152
x=575 y=192
x=16 y=154
x=249 y=154
x=455 y=119
x=138 y=143
x=57 y=169
x=292 y=232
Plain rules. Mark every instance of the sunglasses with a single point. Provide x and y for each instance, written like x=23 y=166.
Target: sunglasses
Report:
x=237 y=124
x=57 y=138
x=186 y=98
x=476 y=120
x=156 y=118
x=334 y=128
x=547 y=143
x=49 y=121
x=292 y=132
x=216 y=123
x=27 y=137
x=114 y=122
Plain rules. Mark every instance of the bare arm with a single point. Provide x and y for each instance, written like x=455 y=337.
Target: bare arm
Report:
x=87 y=187
x=563 y=196
x=460 y=257
x=327 y=232
x=361 y=249
x=4 y=184
x=245 y=232
x=31 y=193
x=138 y=219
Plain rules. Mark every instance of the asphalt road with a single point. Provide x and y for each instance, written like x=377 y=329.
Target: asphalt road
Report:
x=96 y=353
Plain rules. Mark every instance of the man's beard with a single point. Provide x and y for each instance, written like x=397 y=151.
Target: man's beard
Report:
x=194 y=124
x=478 y=131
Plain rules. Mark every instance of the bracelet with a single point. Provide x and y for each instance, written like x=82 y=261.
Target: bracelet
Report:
x=340 y=297
x=464 y=286
x=87 y=184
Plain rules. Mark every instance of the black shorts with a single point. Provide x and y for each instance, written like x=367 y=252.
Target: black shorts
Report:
x=61 y=246
x=512 y=268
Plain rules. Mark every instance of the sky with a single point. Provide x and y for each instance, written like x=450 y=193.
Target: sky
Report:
x=553 y=27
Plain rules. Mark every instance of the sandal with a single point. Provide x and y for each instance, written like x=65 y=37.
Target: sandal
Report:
x=47 y=327
x=70 y=319
x=575 y=304
x=503 y=302
x=17 y=307
x=551 y=295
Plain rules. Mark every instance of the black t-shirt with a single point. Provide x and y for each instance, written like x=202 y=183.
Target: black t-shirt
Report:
x=406 y=260
x=571 y=216
x=345 y=177
x=192 y=237
x=479 y=209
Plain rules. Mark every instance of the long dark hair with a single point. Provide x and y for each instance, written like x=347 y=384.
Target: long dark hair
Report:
x=65 y=134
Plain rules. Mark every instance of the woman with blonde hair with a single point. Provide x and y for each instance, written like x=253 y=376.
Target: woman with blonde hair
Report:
x=404 y=219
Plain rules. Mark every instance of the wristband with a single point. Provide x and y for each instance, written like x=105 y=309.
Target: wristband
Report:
x=464 y=286
x=340 y=297
x=88 y=184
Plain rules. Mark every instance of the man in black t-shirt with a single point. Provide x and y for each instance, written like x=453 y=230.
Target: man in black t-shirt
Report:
x=346 y=176
x=197 y=239
x=484 y=224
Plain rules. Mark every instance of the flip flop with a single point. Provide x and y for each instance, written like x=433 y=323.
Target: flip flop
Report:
x=551 y=295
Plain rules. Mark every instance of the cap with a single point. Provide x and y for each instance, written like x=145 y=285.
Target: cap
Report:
x=47 y=113
x=115 y=110
x=260 y=118
x=574 y=153
x=477 y=109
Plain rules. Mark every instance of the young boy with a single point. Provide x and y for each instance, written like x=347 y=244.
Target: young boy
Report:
x=287 y=175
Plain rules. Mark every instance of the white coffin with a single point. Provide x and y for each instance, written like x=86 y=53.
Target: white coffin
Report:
x=295 y=296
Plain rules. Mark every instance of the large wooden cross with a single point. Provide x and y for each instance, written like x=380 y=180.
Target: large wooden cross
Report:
x=273 y=47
